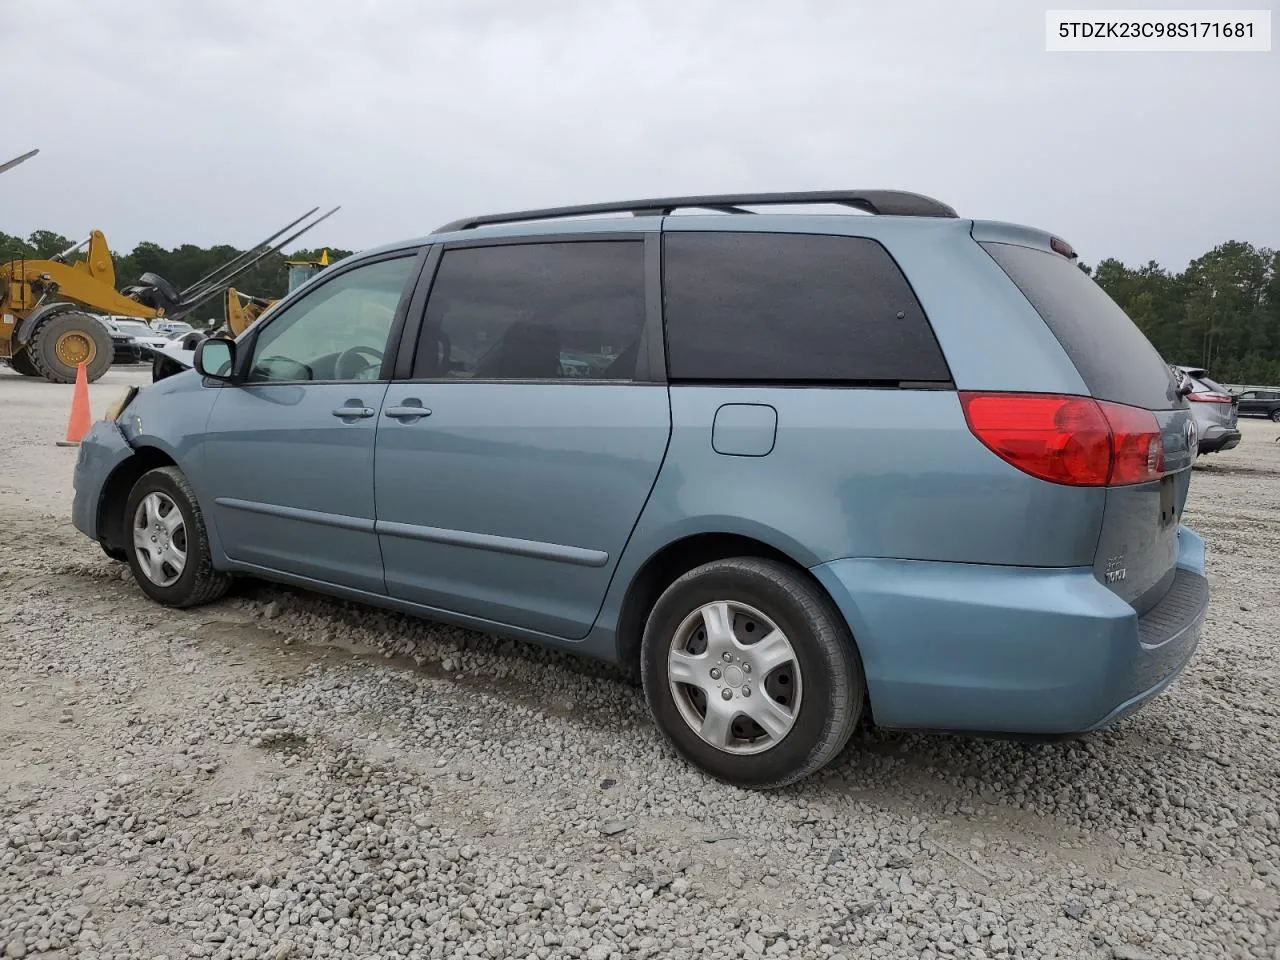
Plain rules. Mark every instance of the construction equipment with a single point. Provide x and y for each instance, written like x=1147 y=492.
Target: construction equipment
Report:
x=44 y=330
x=242 y=309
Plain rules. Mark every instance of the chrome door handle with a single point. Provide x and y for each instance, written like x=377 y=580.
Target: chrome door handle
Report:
x=407 y=412
x=352 y=411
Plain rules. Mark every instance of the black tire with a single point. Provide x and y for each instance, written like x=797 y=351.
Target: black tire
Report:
x=42 y=348
x=21 y=363
x=830 y=669
x=199 y=582
x=1275 y=416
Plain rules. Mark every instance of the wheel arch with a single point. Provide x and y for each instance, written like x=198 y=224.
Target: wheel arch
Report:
x=115 y=491
x=671 y=561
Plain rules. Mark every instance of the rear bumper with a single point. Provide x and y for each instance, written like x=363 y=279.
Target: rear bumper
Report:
x=1219 y=439
x=1016 y=650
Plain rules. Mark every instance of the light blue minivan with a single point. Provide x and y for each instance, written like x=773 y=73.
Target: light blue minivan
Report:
x=794 y=469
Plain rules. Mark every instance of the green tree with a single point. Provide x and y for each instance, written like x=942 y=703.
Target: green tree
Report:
x=47 y=244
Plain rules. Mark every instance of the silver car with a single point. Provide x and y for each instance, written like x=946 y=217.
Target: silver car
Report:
x=1215 y=410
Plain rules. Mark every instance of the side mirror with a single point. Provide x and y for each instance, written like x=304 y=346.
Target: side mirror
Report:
x=216 y=358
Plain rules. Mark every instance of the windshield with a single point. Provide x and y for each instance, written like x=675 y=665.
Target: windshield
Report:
x=135 y=327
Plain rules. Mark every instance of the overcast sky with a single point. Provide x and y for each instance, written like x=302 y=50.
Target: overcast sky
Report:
x=219 y=121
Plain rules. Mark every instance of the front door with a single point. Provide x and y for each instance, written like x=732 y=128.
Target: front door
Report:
x=289 y=452
x=513 y=465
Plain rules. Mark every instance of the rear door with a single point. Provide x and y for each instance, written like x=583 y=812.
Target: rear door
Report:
x=1137 y=549
x=514 y=461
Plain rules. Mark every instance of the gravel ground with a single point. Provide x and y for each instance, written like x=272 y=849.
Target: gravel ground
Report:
x=279 y=775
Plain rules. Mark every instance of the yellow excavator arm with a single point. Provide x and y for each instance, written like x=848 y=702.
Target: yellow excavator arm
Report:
x=91 y=282
x=242 y=310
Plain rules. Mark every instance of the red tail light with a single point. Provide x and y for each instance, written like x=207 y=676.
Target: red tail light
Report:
x=1210 y=397
x=1072 y=440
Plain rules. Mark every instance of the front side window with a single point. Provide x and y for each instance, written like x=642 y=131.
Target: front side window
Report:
x=339 y=331
x=535 y=311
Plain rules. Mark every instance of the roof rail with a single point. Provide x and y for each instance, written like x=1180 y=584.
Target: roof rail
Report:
x=883 y=202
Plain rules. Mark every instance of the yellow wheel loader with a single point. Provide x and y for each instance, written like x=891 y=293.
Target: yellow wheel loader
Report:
x=44 y=329
x=242 y=309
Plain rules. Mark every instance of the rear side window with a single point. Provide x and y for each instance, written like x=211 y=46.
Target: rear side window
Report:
x=782 y=307
x=1206 y=385
x=1114 y=358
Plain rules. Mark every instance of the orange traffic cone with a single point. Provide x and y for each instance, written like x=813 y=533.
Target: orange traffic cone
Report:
x=80 y=420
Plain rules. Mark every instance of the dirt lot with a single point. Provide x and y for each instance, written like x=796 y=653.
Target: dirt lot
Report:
x=279 y=775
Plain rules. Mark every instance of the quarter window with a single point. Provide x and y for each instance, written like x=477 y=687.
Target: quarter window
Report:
x=339 y=331
x=779 y=307
x=535 y=311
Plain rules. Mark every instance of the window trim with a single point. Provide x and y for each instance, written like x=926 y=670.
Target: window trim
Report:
x=945 y=384
x=650 y=359
x=244 y=351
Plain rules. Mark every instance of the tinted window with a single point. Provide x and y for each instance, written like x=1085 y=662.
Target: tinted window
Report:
x=1114 y=358
x=338 y=331
x=1205 y=385
x=537 y=311
x=792 y=307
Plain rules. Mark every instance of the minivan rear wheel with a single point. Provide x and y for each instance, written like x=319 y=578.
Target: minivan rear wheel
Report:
x=750 y=672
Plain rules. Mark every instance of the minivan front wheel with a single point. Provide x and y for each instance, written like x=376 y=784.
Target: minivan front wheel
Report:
x=750 y=672
x=166 y=542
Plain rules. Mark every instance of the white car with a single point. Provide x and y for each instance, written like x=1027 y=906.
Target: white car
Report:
x=145 y=337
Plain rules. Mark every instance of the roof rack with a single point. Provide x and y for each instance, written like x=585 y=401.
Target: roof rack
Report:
x=883 y=202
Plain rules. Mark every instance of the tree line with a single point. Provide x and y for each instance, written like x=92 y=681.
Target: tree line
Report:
x=1222 y=312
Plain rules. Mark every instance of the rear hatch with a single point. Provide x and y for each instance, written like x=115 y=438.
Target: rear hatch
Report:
x=1138 y=546
x=1223 y=405
x=1217 y=404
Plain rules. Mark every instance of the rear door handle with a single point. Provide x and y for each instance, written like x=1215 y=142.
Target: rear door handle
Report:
x=409 y=410
x=353 y=410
